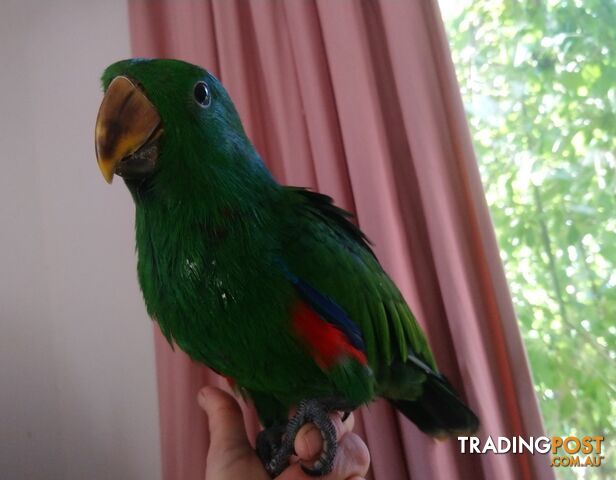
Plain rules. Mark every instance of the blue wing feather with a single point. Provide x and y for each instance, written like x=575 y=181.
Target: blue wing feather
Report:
x=328 y=309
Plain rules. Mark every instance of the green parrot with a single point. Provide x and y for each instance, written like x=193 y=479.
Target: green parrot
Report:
x=271 y=286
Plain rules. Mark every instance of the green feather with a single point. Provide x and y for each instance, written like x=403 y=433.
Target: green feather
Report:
x=367 y=328
x=394 y=320
x=382 y=327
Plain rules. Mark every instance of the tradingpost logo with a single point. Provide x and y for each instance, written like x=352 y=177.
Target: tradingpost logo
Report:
x=569 y=451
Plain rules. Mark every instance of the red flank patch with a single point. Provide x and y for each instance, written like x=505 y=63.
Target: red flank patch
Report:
x=327 y=344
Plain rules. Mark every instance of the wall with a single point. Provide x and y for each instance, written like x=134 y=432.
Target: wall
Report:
x=77 y=374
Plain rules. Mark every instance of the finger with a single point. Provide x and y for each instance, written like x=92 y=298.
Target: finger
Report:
x=349 y=423
x=352 y=462
x=227 y=431
x=352 y=459
x=309 y=442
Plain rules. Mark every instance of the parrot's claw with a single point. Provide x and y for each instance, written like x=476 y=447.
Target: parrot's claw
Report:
x=275 y=454
x=268 y=444
x=312 y=411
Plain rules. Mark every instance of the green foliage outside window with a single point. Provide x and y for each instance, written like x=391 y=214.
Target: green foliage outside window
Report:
x=538 y=80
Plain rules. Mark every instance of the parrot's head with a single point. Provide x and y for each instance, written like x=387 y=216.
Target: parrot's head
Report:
x=170 y=126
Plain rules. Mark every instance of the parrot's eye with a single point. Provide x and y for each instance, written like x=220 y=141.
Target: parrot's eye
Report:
x=202 y=94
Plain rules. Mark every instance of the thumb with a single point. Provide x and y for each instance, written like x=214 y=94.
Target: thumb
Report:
x=227 y=431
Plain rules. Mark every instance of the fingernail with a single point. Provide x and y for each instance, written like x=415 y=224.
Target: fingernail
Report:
x=201 y=398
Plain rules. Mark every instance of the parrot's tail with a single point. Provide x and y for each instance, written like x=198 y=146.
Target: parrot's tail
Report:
x=439 y=412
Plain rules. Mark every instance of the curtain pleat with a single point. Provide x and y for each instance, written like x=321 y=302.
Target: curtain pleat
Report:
x=359 y=100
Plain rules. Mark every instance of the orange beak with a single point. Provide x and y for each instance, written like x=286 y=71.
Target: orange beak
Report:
x=127 y=127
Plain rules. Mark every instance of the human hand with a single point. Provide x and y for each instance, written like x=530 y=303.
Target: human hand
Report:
x=231 y=457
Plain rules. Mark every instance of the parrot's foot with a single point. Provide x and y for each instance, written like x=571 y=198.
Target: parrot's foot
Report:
x=268 y=444
x=274 y=450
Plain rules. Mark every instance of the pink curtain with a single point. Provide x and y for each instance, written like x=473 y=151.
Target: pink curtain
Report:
x=358 y=99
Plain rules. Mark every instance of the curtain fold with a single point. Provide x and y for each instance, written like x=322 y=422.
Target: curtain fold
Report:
x=359 y=100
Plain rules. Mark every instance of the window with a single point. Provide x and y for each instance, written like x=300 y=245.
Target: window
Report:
x=538 y=79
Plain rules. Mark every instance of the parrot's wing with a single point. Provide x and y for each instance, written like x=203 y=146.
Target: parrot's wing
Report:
x=326 y=251
x=325 y=327
x=330 y=253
